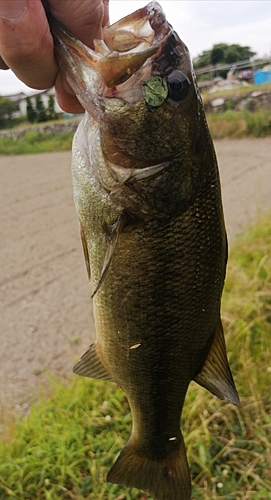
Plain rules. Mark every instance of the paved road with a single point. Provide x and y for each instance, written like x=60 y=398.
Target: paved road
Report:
x=245 y=170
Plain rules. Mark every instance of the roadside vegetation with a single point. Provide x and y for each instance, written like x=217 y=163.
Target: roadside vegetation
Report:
x=36 y=141
x=229 y=124
x=237 y=124
x=68 y=442
x=36 y=112
x=32 y=139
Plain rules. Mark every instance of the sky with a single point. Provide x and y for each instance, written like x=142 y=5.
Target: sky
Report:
x=199 y=23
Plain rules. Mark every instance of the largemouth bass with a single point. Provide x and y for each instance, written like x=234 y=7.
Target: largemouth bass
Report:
x=147 y=194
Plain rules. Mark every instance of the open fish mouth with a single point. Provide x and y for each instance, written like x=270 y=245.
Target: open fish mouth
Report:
x=124 y=49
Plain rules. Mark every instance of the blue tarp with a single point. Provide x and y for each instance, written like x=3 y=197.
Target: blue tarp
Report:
x=261 y=76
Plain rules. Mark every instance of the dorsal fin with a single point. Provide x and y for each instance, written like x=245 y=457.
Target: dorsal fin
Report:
x=215 y=374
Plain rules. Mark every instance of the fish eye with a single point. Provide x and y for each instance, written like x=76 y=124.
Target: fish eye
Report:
x=178 y=85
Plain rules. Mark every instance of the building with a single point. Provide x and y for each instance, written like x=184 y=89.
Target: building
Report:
x=21 y=100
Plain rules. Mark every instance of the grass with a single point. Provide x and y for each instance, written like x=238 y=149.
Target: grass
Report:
x=36 y=141
x=238 y=124
x=66 y=445
x=230 y=124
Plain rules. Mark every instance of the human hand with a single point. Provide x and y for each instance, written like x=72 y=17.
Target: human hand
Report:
x=26 y=43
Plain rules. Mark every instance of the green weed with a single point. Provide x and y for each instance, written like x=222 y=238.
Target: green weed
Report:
x=230 y=124
x=237 y=124
x=36 y=141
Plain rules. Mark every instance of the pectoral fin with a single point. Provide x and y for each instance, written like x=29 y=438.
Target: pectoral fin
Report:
x=91 y=366
x=85 y=249
x=113 y=236
x=215 y=374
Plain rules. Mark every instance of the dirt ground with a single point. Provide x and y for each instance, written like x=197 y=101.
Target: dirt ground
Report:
x=45 y=307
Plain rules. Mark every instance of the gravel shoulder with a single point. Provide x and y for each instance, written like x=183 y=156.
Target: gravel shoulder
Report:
x=45 y=306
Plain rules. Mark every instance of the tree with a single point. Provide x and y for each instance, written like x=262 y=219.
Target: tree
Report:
x=202 y=60
x=217 y=54
x=30 y=111
x=223 y=53
x=51 y=108
x=235 y=53
x=41 y=115
x=7 y=109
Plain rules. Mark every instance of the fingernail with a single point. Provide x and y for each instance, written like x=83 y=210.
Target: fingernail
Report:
x=12 y=10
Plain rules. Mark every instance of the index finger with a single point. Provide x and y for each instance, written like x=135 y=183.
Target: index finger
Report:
x=26 y=44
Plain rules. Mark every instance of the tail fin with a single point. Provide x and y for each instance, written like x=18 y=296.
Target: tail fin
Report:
x=165 y=479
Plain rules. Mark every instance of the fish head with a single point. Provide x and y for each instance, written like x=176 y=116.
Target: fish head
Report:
x=158 y=110
x=139 y=86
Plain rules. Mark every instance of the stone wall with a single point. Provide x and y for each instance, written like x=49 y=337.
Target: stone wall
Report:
x=56 y=128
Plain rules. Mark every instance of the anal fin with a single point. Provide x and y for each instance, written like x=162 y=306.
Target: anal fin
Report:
x=91 y=366
x=215 y=374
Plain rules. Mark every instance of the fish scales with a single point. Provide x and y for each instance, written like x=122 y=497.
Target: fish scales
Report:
x=147 y=194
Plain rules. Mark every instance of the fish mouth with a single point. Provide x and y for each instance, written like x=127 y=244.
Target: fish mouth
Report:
x=131 y=41
x=123 y=51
